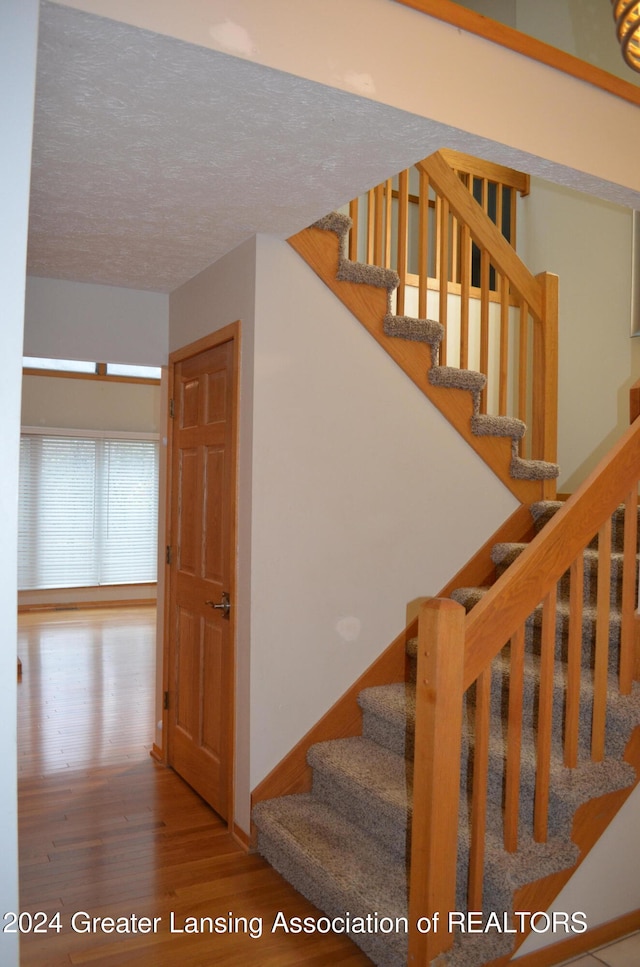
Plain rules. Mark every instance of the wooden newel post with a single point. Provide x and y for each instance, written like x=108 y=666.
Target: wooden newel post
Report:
x=436 y=778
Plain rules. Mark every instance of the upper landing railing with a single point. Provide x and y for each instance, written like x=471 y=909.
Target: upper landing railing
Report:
x=448 y=227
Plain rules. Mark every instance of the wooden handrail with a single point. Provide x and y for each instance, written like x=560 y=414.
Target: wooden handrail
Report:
x=481 y=168
x=467 y=210
x=499 y=618
x=509 y=602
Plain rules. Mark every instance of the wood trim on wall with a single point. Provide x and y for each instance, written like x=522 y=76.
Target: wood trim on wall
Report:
x=101 y=377
x=531 y=47
x=84 y=605
x=562 y=951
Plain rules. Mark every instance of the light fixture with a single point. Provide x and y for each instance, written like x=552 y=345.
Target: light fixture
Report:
x=626 y=14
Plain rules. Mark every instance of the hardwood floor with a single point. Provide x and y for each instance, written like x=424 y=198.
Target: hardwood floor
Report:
x=106 y=832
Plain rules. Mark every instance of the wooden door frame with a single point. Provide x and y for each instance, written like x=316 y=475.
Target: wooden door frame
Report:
x=229 y=333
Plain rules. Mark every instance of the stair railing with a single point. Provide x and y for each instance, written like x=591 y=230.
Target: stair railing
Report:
x=455 y=258
x=455 y=651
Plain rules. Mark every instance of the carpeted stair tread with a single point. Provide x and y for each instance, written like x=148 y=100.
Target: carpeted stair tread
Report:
x=469 y=597
x=505 y=553
x=415 y=330
x=335 y=222
x=367 y=275
x=522 y=469
x=452 y=378
x=359 y=272
x=336 y=866
x=483 y=424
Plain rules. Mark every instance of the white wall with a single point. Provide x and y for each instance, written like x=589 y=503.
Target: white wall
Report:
x=105 y=323
x=17 y=76
x=364 y=498
x=587 y=242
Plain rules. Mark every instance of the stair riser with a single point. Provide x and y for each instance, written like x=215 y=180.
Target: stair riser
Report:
x=388 y=824
x=385 y=950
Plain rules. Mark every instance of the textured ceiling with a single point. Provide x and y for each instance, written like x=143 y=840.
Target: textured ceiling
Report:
x=153 y=157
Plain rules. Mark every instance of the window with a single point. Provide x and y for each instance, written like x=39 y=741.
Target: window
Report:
x=88 y=510
x=64 y=365
x=144 y=372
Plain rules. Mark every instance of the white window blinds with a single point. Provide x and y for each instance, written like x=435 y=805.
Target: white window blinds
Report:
x=88 y=511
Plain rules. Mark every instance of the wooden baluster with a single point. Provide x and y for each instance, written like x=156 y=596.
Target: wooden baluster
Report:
x=504 y=347
x=602 y=643
x=378 y=234
x=522 y=361
x=388 y=199
x=499 y=204
x=403 y=237
x=544 y=430
x=629 y=593
x=514 y=742
x=574 y=667
x=436 y=782
x=423 y=245
x=479 y=793
x=485 y=274
x=545 y=711
x=512 y=212
x=437 y=236
x=353 y=234
x=443 y=274
x=371 y=206
x=454 y=274
x=465 y=286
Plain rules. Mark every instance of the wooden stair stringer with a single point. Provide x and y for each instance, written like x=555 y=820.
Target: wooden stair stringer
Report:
x=368 y=303
x=590 y=821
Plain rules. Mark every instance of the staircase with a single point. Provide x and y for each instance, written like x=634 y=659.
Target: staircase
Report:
x=345 y=845
x=521 y=348
x=515 y=704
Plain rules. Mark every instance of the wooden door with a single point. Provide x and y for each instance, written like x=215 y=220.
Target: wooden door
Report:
x=202 y=529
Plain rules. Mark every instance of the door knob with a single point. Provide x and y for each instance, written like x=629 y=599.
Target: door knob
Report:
x=224 y=605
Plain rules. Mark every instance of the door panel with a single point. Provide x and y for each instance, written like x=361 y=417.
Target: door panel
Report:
x=201 y=659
